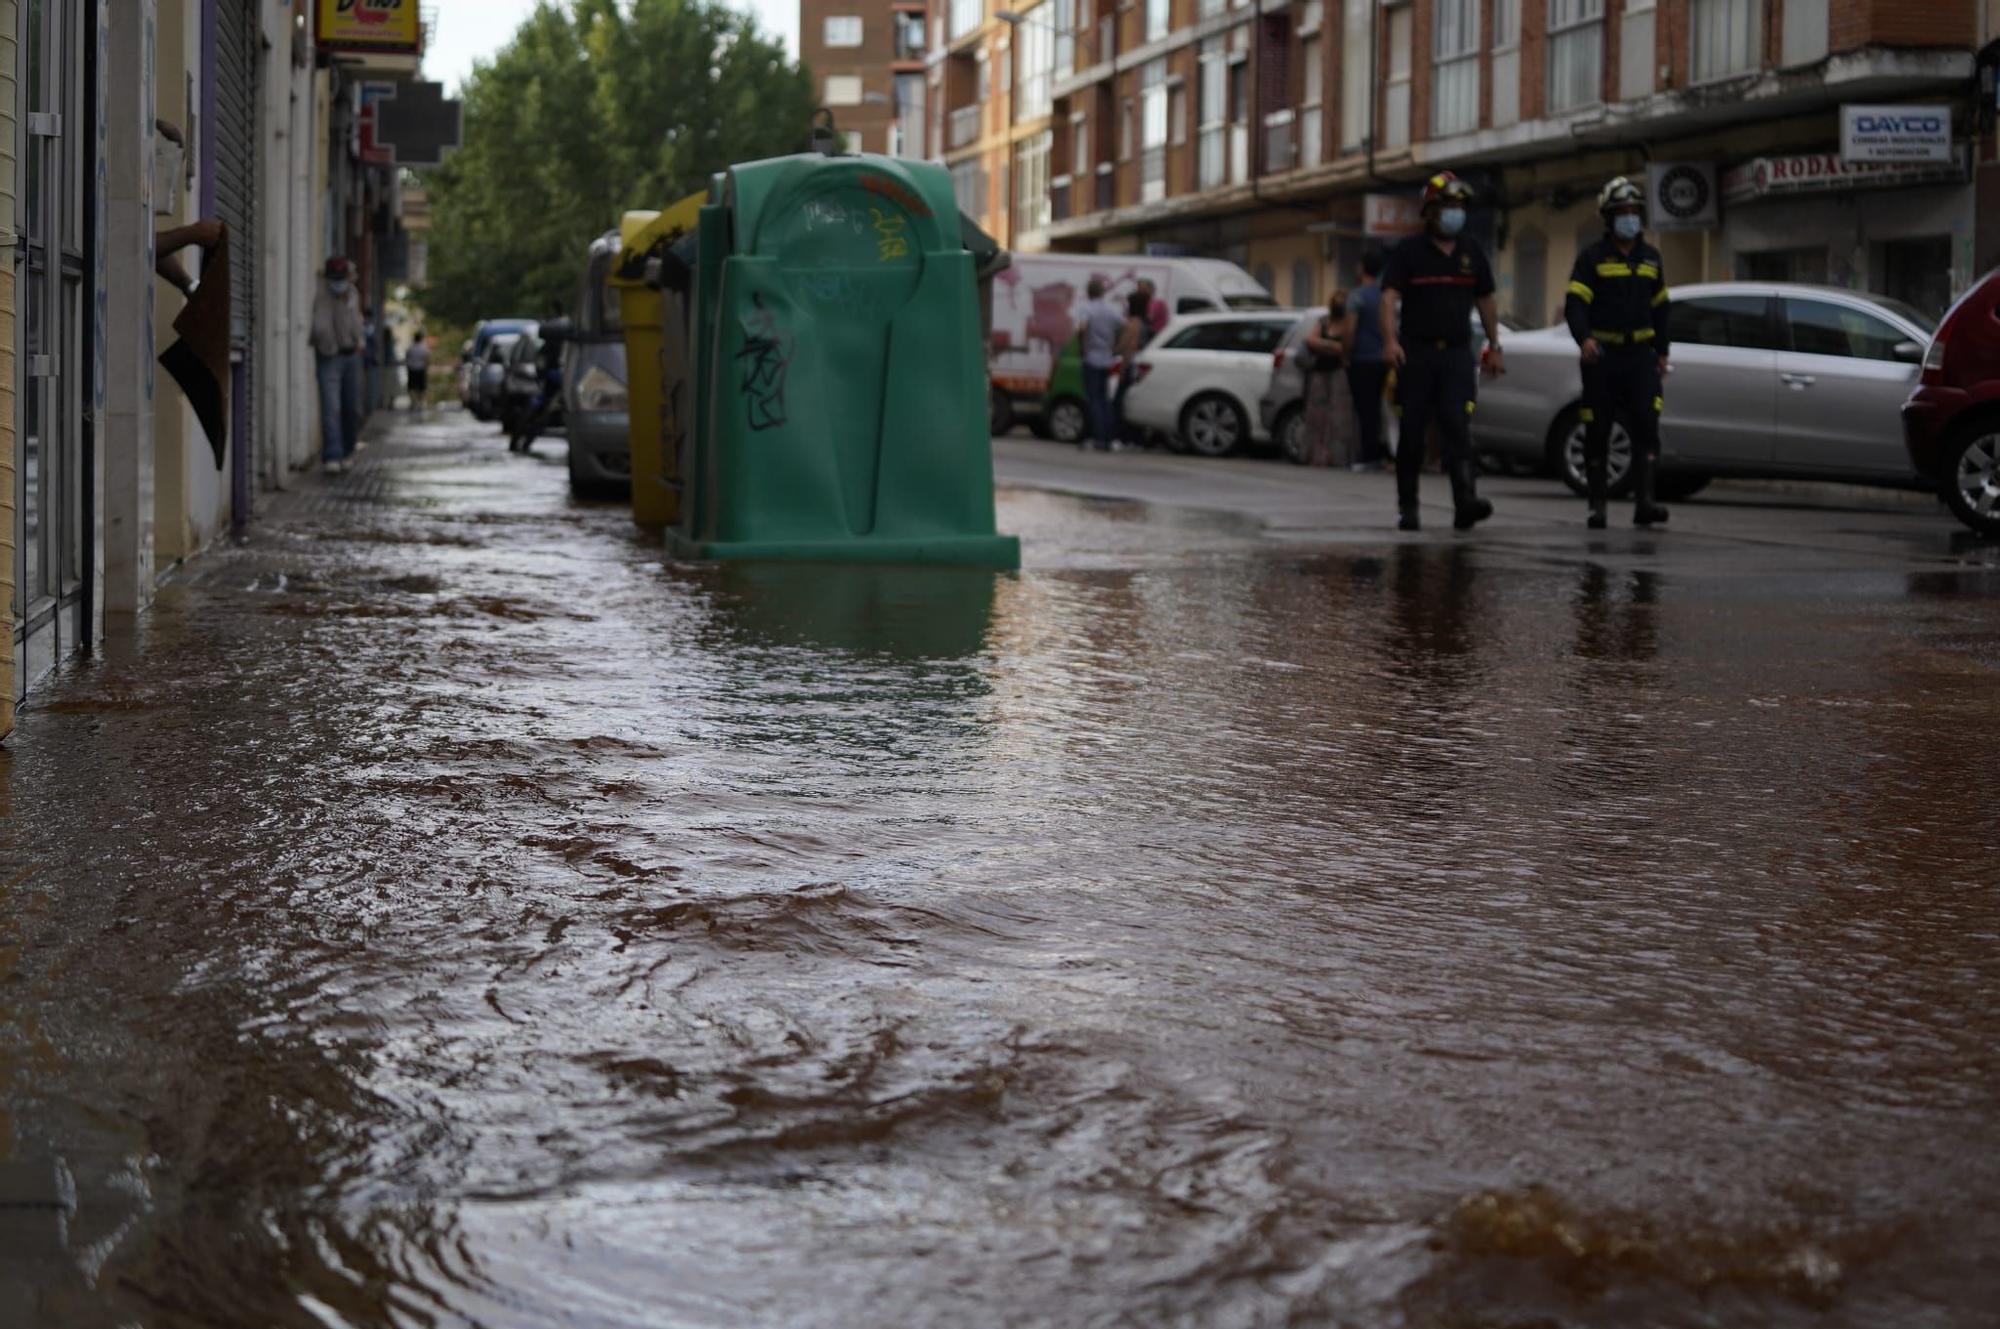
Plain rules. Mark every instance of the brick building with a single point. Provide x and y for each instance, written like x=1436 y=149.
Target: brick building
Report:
x=867 y=63
x=1256 y=130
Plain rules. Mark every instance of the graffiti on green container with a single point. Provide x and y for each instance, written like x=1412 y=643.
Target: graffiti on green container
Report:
x=766 y=359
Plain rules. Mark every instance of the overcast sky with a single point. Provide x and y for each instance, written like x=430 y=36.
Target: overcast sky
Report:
x=469 y=30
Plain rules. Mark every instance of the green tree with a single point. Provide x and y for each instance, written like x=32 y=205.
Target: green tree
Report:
x=597 y=107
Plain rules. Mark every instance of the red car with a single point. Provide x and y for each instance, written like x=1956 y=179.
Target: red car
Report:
x=1951 y=423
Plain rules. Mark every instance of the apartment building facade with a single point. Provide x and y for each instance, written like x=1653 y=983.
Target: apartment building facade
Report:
x=1288 y=135
x=867 y=62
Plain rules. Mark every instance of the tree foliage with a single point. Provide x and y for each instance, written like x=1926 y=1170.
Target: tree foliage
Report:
x=597 y=107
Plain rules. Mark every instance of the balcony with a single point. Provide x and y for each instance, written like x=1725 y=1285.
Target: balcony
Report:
x=909 y=35
x=963 y=126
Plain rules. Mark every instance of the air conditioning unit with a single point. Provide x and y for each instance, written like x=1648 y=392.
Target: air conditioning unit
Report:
x=1682 y=196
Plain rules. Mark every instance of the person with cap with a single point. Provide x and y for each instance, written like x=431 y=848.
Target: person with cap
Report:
x=337 y=336
x=1430 y=286
x=1617 y=310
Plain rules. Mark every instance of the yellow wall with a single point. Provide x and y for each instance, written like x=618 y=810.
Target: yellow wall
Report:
x=9 y=330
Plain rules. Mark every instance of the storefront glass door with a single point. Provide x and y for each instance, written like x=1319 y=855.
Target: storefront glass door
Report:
x=54 y=368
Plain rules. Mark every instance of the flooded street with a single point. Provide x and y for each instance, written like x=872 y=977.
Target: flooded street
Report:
x=445 y=913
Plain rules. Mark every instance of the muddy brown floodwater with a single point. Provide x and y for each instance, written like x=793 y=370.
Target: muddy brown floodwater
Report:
x=446 y=914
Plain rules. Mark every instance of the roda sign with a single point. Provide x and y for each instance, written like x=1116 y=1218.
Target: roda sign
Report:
x=369 y=26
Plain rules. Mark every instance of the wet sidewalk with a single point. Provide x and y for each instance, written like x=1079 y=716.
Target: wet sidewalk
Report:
x=446 y=912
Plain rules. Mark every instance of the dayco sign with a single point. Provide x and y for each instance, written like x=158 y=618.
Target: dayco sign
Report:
x=369 y=26
x=1895 y=133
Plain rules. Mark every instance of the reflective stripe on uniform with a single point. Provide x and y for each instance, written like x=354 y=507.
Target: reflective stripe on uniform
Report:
x=1644 y=334
x=1471 y=406
x=1586 y=415
x=1609 y=338
x=1661 y=298
x=1614 y=269
x=1659 y=404
x=1647 y=270
x=1578 y=289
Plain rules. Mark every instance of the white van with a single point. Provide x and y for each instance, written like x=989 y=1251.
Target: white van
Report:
x=1038 y=307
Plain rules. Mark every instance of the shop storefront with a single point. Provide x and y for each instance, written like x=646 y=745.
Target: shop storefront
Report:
x=1898 y=229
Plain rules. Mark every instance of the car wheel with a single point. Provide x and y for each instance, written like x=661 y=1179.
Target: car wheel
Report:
x=1065 y=420
x=1673 y=486
x=1000 y=413
x=1972 y=479
x=1566 y=454
x=1213 y=425
x=1039 y=427
x=1289 y=430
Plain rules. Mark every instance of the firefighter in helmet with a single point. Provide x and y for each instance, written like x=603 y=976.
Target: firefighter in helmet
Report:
x=1617 y=311
x=1430 y=287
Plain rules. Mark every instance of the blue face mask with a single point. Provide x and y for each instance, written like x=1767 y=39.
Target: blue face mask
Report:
x=1451 y=221
x=1626 y=226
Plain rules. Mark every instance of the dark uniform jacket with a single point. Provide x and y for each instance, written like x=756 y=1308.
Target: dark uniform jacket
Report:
x=1620 y=299
x=1439 y=289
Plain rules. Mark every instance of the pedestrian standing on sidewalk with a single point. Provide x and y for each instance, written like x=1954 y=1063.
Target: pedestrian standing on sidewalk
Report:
x=1157 y=316
x=1102 y=322
x=337 y=334
x=417 y=372
x=1367 y=371
x=1430 y=286
x=1132 y=339
x=1328 y=438
x=1617 y=311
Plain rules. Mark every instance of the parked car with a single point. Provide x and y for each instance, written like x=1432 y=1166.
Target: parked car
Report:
x=1768 y=380
x=1037 y=309
x=1198 y=380
x=1282 y=408
x=473 y=360
x=1951 y=423
x=594 y=383
x=490 y=383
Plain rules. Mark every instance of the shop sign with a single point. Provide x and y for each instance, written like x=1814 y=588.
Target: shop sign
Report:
x=1825 y=172
x=369 y=27
x=1391 y=216
x=1895 y=133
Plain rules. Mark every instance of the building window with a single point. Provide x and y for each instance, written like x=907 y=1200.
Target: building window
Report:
x=1153 y=130
x=1396 y=92
x=968 y=187
x=1177 y=112
x=907 y=135
x=1506 y=23
x=1212 y=152
x=1576 y=54
x=843 y=30
x=1303 y=294
x=1209 y=8
x=1125 y=134
x=1031 y=182
x=1455 y=79
x=1065 y=37
x=1311 y=14
x=965 y=16
x=1725 y=38
x=1081 y=163
x=909 y=29
x=1034 y=49
x=1355 y=122
x=1159 y=17
x=982 y=81
x=843 y=90
x=1310 y=54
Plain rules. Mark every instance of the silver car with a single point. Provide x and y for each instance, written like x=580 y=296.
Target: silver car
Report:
x=1768 y=380
x=595 y=395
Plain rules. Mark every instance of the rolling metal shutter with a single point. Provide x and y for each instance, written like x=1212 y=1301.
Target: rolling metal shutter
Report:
x=237 y=50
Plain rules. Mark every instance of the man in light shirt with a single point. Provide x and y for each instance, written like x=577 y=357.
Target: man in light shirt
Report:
x=337 y=334
x=1102 y=322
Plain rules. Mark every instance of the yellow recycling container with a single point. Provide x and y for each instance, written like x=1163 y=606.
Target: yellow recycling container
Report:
x=657 y=362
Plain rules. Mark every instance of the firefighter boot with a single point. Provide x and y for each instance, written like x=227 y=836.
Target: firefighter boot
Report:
x=1597 y=483
x=1469 y=508
x=1645 y=512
